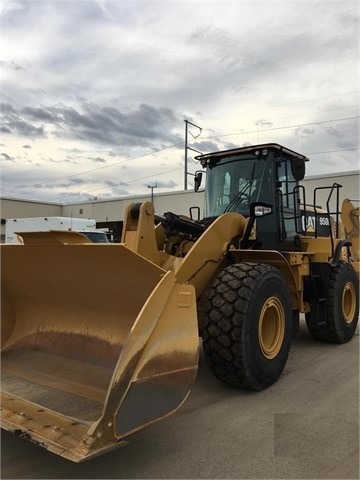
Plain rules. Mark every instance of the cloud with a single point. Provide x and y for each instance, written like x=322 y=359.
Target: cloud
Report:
x=263 y=123
x=100 y=89
x=92 y=122
x=205 y=146
x=161 y=184
x=304 y=131
x=7 y=157
x=10 y=65
x=15 y=122
x=98 y=160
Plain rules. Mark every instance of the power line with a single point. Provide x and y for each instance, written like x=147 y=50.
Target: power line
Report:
x=177 y=169
x=354 y=92
x=254 y=131
x=333 y=151
x=180 y=168
x=208 y=137
x=281 y=128
x=142 y=178
x=107 y=166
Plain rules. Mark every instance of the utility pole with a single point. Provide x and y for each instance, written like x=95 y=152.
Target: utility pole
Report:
x=187 y=123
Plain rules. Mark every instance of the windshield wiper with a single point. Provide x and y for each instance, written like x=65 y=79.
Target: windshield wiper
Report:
x=238 y=197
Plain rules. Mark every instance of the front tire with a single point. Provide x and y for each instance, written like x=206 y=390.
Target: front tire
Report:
x=341 y=309
x=248 y=326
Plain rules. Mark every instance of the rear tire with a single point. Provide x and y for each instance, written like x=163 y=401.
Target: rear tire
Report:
x=341 y=309
x=248 y=326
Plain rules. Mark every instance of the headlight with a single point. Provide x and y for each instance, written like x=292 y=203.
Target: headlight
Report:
x=261 y=210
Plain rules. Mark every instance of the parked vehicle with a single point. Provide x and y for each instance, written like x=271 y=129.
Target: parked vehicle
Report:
x=85 y=362
x=14 y=227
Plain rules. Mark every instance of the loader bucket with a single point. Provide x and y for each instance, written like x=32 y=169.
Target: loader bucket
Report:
x=350 y=218
x=97 y=342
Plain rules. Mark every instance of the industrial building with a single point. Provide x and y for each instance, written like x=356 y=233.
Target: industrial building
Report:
x=109 y=213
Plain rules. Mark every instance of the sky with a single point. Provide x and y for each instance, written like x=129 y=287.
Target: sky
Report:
x=95 y=93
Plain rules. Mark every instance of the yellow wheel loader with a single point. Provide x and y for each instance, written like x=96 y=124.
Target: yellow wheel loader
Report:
x=100 y=340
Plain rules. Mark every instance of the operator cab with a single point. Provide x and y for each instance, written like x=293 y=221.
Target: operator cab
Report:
x=237 y=180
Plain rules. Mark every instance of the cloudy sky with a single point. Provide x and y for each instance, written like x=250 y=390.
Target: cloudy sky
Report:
x=94 y=93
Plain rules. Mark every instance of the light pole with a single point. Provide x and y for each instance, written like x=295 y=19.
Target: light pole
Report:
x=152 y=191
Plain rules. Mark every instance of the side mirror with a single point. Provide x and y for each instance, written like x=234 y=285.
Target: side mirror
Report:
x=194 y=209
x=197 y=180
x=298 y=168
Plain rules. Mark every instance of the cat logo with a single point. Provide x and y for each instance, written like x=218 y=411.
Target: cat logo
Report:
x=310 y=223
x=310 y=229
x=316 y=225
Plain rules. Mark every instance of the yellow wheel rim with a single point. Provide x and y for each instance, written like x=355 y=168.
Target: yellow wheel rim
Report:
x=271 y=329
x=348 y=302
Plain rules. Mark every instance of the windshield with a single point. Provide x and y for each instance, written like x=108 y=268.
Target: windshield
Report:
x=235 y=182
x=96 y=237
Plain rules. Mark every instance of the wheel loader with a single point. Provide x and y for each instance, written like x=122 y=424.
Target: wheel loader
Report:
x=100 y=340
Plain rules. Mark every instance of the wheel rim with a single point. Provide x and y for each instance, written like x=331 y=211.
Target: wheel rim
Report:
x=348 y=302
x=271 y=328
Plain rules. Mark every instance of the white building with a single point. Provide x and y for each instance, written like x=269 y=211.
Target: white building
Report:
x=110 y=213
